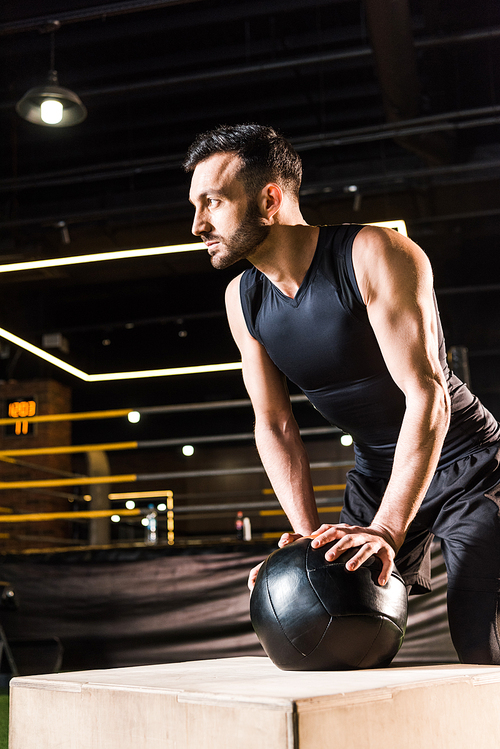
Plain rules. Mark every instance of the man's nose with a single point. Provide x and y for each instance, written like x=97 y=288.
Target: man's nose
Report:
x=200 y=224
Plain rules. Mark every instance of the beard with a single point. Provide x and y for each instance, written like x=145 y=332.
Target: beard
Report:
x=248 y=236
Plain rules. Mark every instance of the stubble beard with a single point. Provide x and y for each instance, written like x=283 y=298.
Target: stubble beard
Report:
x=243 y=242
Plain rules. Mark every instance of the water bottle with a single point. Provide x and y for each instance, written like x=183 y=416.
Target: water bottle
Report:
x=152 y=526
x=239 y=526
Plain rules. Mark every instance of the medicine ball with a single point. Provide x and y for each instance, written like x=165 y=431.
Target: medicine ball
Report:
x=314 y=615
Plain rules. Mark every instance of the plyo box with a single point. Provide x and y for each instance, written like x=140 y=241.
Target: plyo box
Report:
x=248 y=703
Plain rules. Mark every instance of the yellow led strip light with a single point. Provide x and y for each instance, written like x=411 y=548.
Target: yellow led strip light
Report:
x=97 y=257
x=398 y=225
x=168 y=372
x=38 y=516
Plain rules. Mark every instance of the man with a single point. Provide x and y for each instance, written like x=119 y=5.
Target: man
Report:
x=348 y=314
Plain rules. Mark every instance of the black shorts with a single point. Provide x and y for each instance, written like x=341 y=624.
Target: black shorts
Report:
x=461 y=508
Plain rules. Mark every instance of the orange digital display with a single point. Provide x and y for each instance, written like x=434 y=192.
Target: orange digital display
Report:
x=20 y=410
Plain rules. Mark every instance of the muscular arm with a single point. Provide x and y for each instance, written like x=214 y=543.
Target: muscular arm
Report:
x=276 y=432
x=395 y=279
x=398 y=294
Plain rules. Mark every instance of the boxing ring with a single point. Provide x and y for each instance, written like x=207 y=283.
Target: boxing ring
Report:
x=74 y=484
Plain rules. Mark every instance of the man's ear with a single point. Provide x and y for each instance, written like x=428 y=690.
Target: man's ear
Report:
x=269 y=200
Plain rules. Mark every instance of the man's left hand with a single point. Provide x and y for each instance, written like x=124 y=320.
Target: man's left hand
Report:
x=372 y=540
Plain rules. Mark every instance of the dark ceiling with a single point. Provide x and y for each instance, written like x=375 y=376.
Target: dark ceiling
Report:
x=400 y=98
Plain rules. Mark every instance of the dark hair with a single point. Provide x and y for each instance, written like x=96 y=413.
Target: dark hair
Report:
x=266 y=155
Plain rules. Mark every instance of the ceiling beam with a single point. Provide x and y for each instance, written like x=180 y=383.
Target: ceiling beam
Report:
x=43 y=23
x=357 y=53
x=204 y=15
x=390 y=29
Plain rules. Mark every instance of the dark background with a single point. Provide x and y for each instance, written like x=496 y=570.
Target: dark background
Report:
x=400 y=99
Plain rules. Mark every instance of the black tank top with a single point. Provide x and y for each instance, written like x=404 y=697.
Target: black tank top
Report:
x=323 y=342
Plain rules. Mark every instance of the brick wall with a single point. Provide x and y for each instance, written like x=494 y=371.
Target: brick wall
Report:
x=51 y=397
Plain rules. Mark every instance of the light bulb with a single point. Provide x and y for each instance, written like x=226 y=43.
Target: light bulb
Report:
x=134 y=417
x=188 y=450
x=51 y=111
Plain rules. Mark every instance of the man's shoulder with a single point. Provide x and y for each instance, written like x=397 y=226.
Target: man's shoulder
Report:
x=375 y=243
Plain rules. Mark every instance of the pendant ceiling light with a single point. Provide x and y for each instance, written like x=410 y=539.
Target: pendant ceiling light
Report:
x=51 y=104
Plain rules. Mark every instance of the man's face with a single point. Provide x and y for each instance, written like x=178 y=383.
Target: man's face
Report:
x=227 y=220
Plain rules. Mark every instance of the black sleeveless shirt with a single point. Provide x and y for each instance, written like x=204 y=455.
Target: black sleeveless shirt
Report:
x=323 y=342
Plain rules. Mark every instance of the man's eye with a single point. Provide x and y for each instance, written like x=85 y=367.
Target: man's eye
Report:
x=212 y=202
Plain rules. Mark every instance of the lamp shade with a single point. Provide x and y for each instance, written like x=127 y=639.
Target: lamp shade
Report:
x=29 y=107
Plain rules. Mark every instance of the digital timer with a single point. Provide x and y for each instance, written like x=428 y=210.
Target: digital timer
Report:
x=20 y=410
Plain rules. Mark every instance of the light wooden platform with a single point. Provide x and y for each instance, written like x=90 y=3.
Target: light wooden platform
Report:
x=247 y=703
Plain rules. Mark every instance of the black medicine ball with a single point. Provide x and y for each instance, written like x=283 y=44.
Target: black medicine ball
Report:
x=314 y=615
